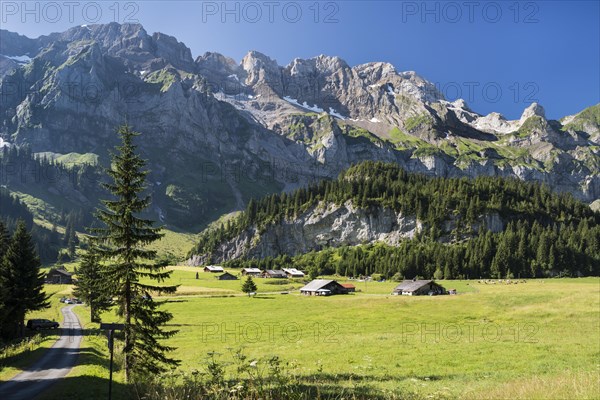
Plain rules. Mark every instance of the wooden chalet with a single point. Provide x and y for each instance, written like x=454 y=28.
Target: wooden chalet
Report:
x=293 y=273
x=59 y=276
x=350 y=288
x=251 y=272
x=274 y=273
x=227 y=277
x=214 y=269
x=323 y=287
x=418 y=287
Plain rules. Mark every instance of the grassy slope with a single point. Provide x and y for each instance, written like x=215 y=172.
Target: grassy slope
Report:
x=174 y=243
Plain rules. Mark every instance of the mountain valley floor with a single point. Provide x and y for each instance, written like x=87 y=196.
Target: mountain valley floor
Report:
x=534 y=339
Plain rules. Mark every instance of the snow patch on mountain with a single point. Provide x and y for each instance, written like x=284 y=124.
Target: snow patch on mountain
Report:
x=295 y=102
x=334 y=113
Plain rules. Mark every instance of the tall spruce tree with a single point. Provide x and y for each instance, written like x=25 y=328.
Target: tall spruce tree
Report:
x=21 y=282
x=90 y=285
x=126 y=261
x=4 y=240
x=71 y=240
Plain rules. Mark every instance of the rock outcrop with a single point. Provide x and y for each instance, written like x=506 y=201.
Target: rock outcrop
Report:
x=328 y=225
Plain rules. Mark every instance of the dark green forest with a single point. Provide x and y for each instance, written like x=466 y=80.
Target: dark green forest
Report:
x=20 y=170
x=545 y=233
x=47 y=242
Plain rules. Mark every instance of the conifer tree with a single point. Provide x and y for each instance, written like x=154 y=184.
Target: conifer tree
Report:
x=4 y=240
x=121 y=246
x=249 y=286
x=90 y=287
x=21 y=282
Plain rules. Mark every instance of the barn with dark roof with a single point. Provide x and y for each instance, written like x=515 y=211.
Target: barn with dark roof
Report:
x=323 y=287
x=274 y=273
x=418 y=287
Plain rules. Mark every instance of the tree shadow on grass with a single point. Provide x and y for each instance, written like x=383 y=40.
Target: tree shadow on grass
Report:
x=357 y=386
x=49 y=380
x=41 y=358
x=356 y=390
x=331 y=391
x=18 y=360
x=86 y=387
x=357 y=377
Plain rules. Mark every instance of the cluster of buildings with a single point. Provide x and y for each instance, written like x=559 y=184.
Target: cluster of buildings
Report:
x=327 y=287
x=284 y=273
x=317 y=287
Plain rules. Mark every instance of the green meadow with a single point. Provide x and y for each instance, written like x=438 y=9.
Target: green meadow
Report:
x=467 y=345
x=533 y=339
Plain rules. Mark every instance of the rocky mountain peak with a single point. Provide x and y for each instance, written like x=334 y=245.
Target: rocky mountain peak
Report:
x=169 y=48
x=112 y=37
x=321 y=65
x=329 y=64
x=256 y=59
x=260 y=68
x=533 y=109
x=13 y=44
x=129 y=42
x=375 y=71
x=461 y=104
x=213 y=60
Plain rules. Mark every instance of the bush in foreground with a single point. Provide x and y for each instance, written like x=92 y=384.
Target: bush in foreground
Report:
x=267 y=379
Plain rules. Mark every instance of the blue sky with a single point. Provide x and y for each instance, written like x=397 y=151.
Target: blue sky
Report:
x=497 y=55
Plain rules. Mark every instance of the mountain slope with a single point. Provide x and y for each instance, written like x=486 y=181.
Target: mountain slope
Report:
x=376 y=218
x=217 y=133
x=381 y=203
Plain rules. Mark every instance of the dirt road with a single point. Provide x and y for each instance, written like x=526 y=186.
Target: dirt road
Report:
x=56 y=363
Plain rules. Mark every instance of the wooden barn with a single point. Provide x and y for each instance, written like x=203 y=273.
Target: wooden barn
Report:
x=274 y=273
x=227 y=277
x=293 y=273
x=213 y=269
x=323 y=287
x=350 y=288
x=59 y=276
x=417 y=287
x=251 y=272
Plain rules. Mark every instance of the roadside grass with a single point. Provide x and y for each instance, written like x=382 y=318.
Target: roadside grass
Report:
x=14 y=358
x=89 y=378
x=565 y=385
